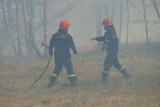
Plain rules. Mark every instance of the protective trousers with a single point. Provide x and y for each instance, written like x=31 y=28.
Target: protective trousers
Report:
x=112 y=59
x=66 y=62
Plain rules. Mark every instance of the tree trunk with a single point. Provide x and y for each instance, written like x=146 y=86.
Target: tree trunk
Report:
x=25 y=27
x=98 y=17
x=32 y=44
x=18 y=36
x=106 y=9
x=145 y=22
x=7 y=26
x=113 y=10
x=127 y=33
x=45 y=27
x=154 y=2
x=120 y=25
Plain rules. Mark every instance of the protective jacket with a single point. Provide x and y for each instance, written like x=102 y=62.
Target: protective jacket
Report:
x=110 y=37
x=62 y=42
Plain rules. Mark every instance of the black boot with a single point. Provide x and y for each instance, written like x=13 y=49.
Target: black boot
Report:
x=73 y=81
x=125 y=73
x=104 y=76
x=52 y=80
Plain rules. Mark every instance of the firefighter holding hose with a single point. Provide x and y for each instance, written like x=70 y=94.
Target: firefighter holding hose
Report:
x=62 y=42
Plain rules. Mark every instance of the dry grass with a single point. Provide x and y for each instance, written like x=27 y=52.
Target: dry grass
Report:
x=142 y=90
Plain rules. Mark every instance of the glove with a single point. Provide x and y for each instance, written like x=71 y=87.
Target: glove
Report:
x=93 y=39
x=50 y=52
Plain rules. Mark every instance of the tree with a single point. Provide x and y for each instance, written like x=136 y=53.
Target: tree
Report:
x=45 y=27
x=145 y=22
x=98 y=17
x=25 y=26
x=127 y=34
x=18 y=32
x=121 y=18
x=154 y=2
x=7 y=19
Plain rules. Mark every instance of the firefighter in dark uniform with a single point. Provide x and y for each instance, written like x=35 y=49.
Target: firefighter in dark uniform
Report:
x=110 y=38
x=62 y=42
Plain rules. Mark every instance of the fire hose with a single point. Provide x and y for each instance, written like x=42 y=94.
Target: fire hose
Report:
x=43 y=44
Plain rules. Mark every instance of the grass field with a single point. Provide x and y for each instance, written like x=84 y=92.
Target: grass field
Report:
x=141 y=90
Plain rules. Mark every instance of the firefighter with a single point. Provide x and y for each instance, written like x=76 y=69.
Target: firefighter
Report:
x=111 y=39
x=62 y=42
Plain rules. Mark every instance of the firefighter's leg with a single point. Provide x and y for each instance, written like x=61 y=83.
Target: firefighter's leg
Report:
x=116 y=63
x=106 y=66
x=124 y=72
x=52 y=80
x=118 y=66
x=71 y=75
x=105 y=75
x=121 y=69
x=55 y=74
x=73 y=79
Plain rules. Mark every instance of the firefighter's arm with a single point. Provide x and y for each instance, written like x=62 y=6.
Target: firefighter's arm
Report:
x=98 y=39
x=51 y=45
x=73 y=47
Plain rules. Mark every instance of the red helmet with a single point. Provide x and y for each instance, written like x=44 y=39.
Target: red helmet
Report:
x=64 y=24
x=107 y=22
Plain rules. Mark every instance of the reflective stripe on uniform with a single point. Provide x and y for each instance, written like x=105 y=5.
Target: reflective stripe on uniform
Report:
x=71 y=75
x=54 y=75
x=122 y=68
